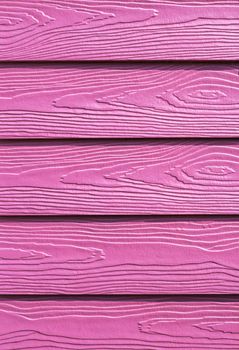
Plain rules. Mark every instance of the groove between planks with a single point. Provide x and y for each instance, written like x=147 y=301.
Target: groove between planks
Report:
x=118 y=30
x=141 y=177
x=119 y=256
x=138 y=325
x=119 y=101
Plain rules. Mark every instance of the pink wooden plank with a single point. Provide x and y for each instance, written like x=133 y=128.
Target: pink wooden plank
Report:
x=131 y=324
x=157 y=177
x=119 y=101
x=119 y=256
x=119 y=30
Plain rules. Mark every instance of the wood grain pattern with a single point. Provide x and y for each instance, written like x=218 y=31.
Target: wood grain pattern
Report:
x=130 y=324
x=119 y=256
x=119 y=30
x=156 y=177
x=119 y=101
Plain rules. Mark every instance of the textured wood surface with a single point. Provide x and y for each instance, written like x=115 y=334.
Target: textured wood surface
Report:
x=131 y=325
x=119 y=30
x=83 y=101
x=119 y=256
x=157 y=177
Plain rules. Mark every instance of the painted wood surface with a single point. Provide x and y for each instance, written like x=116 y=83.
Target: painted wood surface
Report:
x=119 y=30
x=119 y=256
x=81 y=101
x=140 y=177
x=131 y=324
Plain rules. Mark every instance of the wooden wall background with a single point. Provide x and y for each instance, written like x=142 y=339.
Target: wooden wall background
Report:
x=119 y=175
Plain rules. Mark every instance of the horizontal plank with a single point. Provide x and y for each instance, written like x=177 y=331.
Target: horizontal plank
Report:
x=140 y=177
x=119 y=256
x=81 y=101
x=131 y=324
x=119 y=30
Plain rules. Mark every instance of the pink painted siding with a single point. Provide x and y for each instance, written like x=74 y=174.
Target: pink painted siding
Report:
x=105 y=177
x=119 y=256
x=144 y=100
x=119 y=30
x=112 y=163
x=133 y=324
